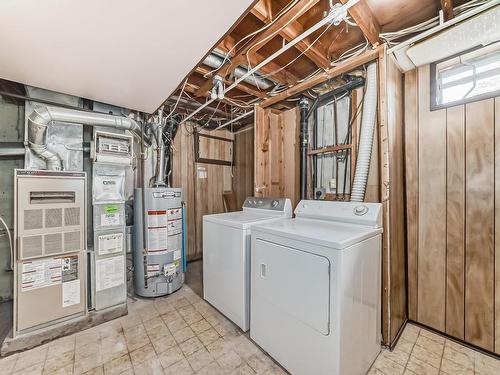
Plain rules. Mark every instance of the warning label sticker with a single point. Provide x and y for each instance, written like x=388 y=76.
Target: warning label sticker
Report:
x=157 y=218
x=110 y=272
x=69 y=269
x=40 y=273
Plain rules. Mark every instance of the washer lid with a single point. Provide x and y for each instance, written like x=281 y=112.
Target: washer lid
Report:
x=243 y=219
x=330 y=234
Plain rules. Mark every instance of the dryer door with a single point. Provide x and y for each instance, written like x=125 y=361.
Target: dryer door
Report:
x=294 y=281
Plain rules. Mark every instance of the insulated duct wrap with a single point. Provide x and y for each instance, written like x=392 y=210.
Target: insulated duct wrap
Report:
x=366 y=136
x=41 y=117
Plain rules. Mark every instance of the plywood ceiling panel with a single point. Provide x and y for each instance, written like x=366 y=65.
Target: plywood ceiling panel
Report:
x=123 y=52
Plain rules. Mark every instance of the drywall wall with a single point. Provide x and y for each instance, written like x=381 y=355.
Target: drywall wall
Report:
x=452 y=157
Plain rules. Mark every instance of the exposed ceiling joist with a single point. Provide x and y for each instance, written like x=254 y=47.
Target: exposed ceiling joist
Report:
x=447 y=7
x=263 y=12
x=260 y=41
x=367 y=22
x=346 y=67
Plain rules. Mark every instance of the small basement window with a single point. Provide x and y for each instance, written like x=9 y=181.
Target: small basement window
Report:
x=468 y=77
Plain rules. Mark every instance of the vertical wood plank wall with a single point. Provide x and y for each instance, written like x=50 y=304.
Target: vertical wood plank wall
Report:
x=391 y=140
x=243 y=165
x=452 y=157
x=277 y=153
x=203 y=183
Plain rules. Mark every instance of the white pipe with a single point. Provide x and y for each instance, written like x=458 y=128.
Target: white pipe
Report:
x=235 y=119
x=333 y=15
x=366 y=136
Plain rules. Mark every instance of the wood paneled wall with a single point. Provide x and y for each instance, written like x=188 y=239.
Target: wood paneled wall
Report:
x=277 y=153
x=243 y=165
x=452 y=156
x=391 y=143
x=203 y=183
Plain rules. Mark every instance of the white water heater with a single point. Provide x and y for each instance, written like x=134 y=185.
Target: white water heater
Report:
x=50 y=272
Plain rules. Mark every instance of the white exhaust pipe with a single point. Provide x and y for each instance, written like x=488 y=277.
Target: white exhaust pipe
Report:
x=366 y=136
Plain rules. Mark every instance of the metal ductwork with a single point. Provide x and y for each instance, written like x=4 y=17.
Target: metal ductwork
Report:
x=41 y=117
x=215 y=61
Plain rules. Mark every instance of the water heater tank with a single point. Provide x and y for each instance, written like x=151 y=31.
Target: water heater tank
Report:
x=158 y=254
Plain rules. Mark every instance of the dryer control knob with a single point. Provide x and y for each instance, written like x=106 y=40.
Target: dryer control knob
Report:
x=274 y=203
x=360 y=210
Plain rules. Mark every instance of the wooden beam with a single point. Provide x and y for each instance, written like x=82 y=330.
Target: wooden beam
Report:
x=290 y=32
x=329 y=149
x=447 y=7
x=364 y=18
x=346 y=67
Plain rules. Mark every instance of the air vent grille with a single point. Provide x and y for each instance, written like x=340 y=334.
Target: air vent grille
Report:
x=53 y=243
x=72 y=241
x=33 y=219
x=72 y=216
x=53 y=218
x=31 y=246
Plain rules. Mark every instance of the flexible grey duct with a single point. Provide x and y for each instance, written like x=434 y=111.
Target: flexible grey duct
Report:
x=41 y=117
x=366 y=136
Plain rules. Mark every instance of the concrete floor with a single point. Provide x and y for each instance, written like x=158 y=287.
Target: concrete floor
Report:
x=194 y=276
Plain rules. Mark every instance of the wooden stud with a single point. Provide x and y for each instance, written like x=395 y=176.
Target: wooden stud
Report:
x=447 y=7
x=367 y=22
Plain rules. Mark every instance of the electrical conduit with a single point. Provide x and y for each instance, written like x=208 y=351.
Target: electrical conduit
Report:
x=366 y=136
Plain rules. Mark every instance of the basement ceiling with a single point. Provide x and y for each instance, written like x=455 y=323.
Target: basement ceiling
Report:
x=127 y=53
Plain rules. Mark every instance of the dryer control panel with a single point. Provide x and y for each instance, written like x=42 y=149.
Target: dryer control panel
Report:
x=276 y=204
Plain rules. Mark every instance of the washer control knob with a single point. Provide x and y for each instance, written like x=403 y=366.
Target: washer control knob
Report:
x=360 y=210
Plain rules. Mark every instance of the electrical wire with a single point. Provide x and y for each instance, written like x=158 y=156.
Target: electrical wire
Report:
x=10 y=244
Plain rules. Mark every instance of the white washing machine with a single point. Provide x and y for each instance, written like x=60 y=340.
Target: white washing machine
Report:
x=316 y=288
x=226 y=255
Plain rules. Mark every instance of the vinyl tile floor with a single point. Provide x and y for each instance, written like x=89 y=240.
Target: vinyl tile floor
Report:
x=182 y=334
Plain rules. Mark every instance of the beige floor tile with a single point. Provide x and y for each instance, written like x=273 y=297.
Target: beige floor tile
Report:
x=183 y=334
x=410 y=333
x=180 y=368
x=193 y=317
x=433 y=336
x=55 y=363
x=181 y=302
x=158 y=333
x=461 y=348
x=453 y=368
x=186 y=310
x=61 y=346
x=110 y=329
x=190 y=346
x=163 y=306
x=136 y=337
x=89 y=336
x=388 y=367
x=163 y=343
x=245 y=348
x=7 y=364
x=170 y=356
x=150 y=367
x=118 y=365
x=275 y=370
x=422 y=354
x=130 y=320
x=88 y=363
x=429 y=344
x=374 y=371
x=30 y=358
x=176 y=324
x=148 y=313
x=87 y=350
x=143 y=354
x=66 y=370
x=154 y=323
x=420 y=367
x=219 y=347
x=113 y=347
x=244 y=369
x=460 y=358
x=96 y=371
x=230 y=361
x=36 y=369
x=212 y=369
x=200 y=326
x=200 y=359
x=227 y=329
x=209 y=336
x=397 y=355
x=405 y=345
x=486 y=365
x=259 y=362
